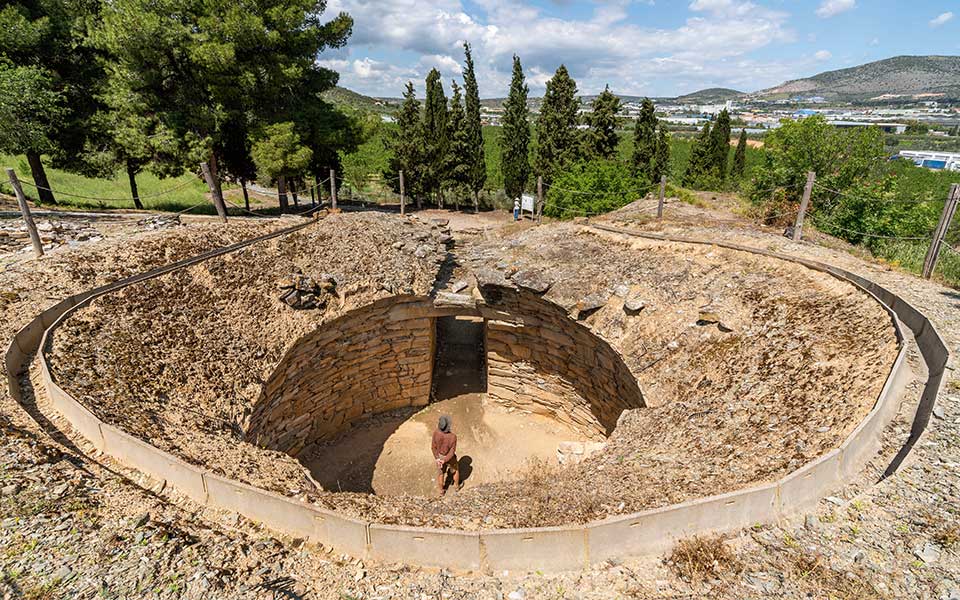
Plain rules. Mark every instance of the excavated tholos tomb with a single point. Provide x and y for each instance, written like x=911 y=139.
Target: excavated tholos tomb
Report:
x=744 y=387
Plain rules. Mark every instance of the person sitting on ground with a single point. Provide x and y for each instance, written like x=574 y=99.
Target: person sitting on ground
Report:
x=444 y=447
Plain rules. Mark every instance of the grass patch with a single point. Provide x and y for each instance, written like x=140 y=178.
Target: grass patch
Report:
x=813 y=575
x=702 y=558
x=909 y=255
x=115 y=192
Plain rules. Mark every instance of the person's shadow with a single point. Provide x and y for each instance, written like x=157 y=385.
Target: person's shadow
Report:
x=466 y=468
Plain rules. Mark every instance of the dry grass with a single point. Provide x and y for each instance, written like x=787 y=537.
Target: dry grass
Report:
x=812 y=574
x=703 y=558
x=948 y=537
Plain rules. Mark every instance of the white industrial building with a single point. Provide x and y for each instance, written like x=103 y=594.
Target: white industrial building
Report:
x=949 y=161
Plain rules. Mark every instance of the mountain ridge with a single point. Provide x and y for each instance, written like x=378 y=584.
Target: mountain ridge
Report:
x=899 y=78
x=889 y=78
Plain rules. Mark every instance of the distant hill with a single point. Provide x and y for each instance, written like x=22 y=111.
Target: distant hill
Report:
x=344 y=97
x=710 y=96
x=900 y=77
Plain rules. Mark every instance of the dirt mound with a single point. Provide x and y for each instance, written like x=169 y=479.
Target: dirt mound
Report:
x=179 y=360
x=745 y=361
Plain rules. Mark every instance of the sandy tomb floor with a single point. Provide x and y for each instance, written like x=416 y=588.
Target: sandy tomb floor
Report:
x=390 y=454
x=783 y=367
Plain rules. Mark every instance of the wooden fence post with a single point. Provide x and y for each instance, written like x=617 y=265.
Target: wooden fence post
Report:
x=333 y=189
x=663 y=192
x=933 y=253
x=804 y=203
x=403 y=200
x=25 y=211
x=539 y=199
x=214 y=191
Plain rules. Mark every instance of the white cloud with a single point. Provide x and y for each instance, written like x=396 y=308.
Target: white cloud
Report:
x=941 y=19
x=831 y=8
x=823 y=55
x=710 y=48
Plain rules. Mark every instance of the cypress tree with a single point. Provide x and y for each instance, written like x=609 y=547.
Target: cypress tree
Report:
x=720 y=144
x=557 y=125
x=436 y=136
x=460 y=155
x=645 y=142
x=600 y=140
x=740 y=157
x=515 y=140
x=477 y=172
x=408 y=144
x=700 y=156
x=661 y=157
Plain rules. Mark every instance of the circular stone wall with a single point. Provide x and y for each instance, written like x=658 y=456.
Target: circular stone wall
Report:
x=380 y=358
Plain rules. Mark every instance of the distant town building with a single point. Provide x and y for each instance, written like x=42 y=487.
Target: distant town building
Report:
x=897 y=128
x=938 y=161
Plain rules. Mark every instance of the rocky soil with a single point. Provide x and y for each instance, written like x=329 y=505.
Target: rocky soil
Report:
x=704 y=331
x=74 y=525
x=211 y=334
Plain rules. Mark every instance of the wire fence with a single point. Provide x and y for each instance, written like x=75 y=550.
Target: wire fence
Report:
x=102 y=199
x=879 y=200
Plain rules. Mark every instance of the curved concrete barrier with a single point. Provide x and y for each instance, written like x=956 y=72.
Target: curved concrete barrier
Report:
x=546 y=548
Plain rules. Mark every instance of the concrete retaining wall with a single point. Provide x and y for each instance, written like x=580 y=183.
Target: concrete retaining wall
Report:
x=552 y=548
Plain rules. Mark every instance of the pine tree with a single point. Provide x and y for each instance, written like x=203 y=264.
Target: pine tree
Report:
x=720 y=145
x=557 y=125
x=700 y=156
x=515 y=139
x=408 y=144
x=645 y=142
x=600 y=139
x=661 y=157
x=740 y=157
x=460 y=155
x=477 y=173
x=436 y=136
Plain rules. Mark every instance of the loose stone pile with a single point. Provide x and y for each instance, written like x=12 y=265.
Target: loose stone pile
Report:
x=15 y=238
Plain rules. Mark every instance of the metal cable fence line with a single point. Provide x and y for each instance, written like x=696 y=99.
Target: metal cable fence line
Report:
x=126 y=199
x=186 y=210
x=610 y=193
x=884 y=237
x=266 y=192
x=950 y=248
x=880 y=200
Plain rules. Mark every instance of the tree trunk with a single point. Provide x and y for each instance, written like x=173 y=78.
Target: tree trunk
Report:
x=294 y=191
x=44 y=193
x=282 y=188
x=316 y=183
x=132 y=176
x=313 y=198
x=246 y=197
x=476 y=201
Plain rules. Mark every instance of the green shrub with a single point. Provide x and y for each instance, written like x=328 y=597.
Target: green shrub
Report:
x=590 y=188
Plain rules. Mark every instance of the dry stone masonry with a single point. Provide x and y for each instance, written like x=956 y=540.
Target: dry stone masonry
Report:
x=543 y=362
x=372 y=360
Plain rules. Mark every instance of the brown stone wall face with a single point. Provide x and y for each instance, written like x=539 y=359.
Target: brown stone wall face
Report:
x=540 y=360
x=371 y=360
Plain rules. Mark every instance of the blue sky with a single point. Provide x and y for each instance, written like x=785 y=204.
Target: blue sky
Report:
x=638 y=47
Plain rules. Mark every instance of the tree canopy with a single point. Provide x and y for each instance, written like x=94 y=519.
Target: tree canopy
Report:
x=557 y=125
x=473 y=131
x=645 y=141
x=600 y=139
x=515 y=142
